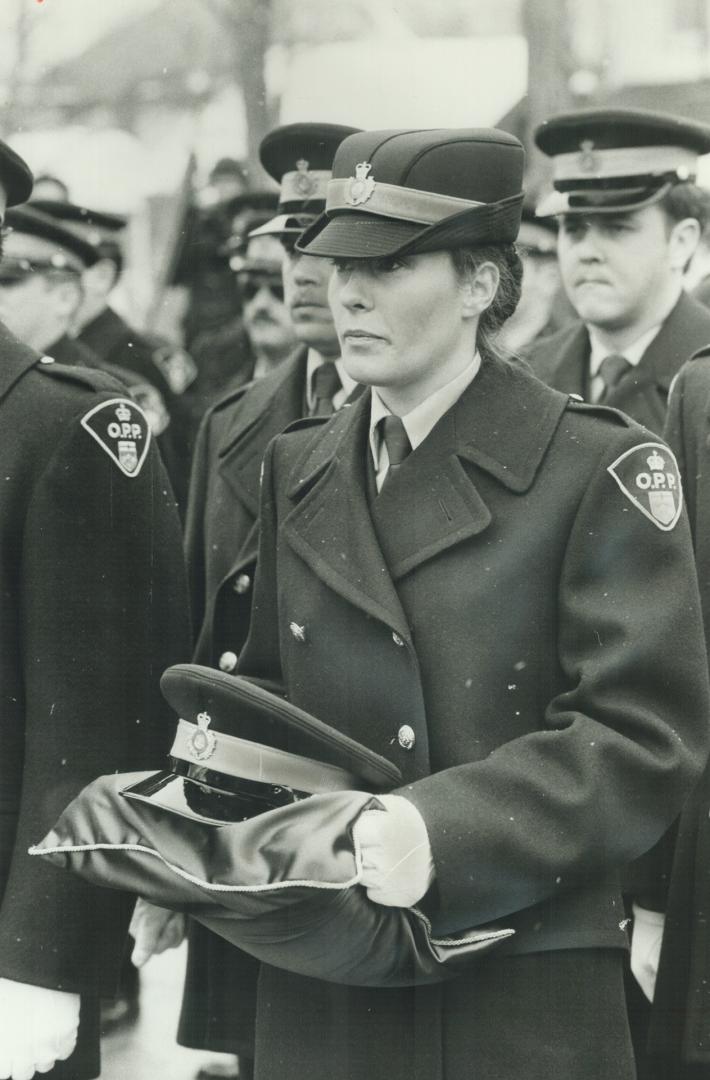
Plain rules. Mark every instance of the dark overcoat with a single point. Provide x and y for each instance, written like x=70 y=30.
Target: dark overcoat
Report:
x=94 y=606
x=221 y=527
x=679 y=1040
x=222 y=543
x=562 y=361
x=508 y=601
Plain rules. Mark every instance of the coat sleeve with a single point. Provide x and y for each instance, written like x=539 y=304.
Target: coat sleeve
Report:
x=103 y=610
x=195 y=525
x=615 y=754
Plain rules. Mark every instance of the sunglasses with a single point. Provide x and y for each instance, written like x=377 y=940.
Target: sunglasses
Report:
x=251 y=284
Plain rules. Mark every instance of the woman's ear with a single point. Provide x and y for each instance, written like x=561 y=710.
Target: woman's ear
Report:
x=478 y=290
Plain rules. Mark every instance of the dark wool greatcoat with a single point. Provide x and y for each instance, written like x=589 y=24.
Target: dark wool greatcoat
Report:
x=679 y=1041
x=540 y=635
x=562 y=361
x=222 y=544
x=94 y=607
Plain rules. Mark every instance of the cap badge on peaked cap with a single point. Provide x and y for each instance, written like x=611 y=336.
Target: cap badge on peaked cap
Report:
x=361 y=185
x=202 y=742
x=587 y=157
x=304 y=183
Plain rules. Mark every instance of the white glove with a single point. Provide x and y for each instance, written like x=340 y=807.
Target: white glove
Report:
x=155 y=929
x=397 y=866
x=38 y=1028
x=646 y=938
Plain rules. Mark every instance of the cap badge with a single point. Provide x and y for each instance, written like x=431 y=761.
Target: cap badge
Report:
x=361 y=186
x=203 y=742
x=304 y=182
x=587 y=157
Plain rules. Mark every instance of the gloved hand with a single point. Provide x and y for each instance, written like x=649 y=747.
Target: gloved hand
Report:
x=38 y=1028
x=396 y=856
x=646 y=938
x=154 y=929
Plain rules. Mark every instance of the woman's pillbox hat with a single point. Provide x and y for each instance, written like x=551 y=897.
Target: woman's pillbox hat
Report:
x=409 y=192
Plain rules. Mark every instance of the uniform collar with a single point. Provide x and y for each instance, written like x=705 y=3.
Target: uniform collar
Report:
x=633 y=353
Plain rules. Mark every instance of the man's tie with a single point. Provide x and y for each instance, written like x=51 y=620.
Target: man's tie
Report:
x=611 y=370
x=395 y=437
x=325 y=385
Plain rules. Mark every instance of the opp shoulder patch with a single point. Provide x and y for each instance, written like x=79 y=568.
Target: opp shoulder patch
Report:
x=122 y=430
x=649 y=478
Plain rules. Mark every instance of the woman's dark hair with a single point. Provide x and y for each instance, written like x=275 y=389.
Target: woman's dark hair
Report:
x=505 y=257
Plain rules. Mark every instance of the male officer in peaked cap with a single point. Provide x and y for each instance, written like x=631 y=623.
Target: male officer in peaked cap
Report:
x=454 y=572
x=222 y=534
x=630 y=218
x=93 y=587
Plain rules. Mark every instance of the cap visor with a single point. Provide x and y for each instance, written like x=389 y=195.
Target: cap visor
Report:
x=357 y=236
x=283 y=225
x=198 y=802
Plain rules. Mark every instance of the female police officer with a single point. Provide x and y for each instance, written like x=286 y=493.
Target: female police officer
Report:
x=492 y=585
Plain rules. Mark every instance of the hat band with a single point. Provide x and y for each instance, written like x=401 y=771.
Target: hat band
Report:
x=599 y=164
x=393 y=201
x=252 y=761
x=301 y=185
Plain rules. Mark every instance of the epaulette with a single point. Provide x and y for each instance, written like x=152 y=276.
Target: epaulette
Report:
x=232 y=396
x=306 y=422
x=90 y=378
x=606 y=412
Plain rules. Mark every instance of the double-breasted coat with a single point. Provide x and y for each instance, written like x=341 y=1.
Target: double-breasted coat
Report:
x=94 y=607
x=679 y=1032
x=562 y=361
x=222 y=545
x=510 y=626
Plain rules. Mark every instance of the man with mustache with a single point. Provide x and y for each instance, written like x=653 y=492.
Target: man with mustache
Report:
x=630 y=218
x=222 y=532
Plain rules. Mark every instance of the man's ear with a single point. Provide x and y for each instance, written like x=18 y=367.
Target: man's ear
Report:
x=478 y=290
x=683 y=242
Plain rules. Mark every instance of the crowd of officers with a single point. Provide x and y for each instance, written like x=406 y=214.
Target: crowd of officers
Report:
x=474 y=558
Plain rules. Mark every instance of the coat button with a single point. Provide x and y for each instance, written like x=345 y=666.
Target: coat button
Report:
x=228 y=661
x=298 y=632
x=397 y=639
x=46 y=359
x=406 y=737
x=241 y=583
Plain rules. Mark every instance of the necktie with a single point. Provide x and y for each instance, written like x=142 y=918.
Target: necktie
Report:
x=325 y=385
x=395 y=437
x=611 y=370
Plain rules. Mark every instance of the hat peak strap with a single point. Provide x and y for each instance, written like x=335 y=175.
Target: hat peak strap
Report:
x=252 y=761
x=393 y=201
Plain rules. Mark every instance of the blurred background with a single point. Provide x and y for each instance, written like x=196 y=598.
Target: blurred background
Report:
x=133 y=102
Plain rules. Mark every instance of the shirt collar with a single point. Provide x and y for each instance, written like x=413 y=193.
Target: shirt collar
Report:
x=421 y=420
x=314 y=361
x=632 y=353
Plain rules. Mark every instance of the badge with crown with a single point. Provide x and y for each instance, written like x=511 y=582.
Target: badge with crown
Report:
x=203 y=742
x=648 y=476
x=304 y=183
x=121 y=429
x=587 y=157
x=361 y=185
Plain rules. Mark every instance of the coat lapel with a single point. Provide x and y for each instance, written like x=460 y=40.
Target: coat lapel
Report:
x=566 y=365
x=269 y=406
x=502 y=425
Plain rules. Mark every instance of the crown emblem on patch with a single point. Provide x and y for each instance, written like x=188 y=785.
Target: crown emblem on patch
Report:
x=655 y=462
x=587 y=157
x=123 y=412
x=361 y=186
x=203 y=742
x=304 y=182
